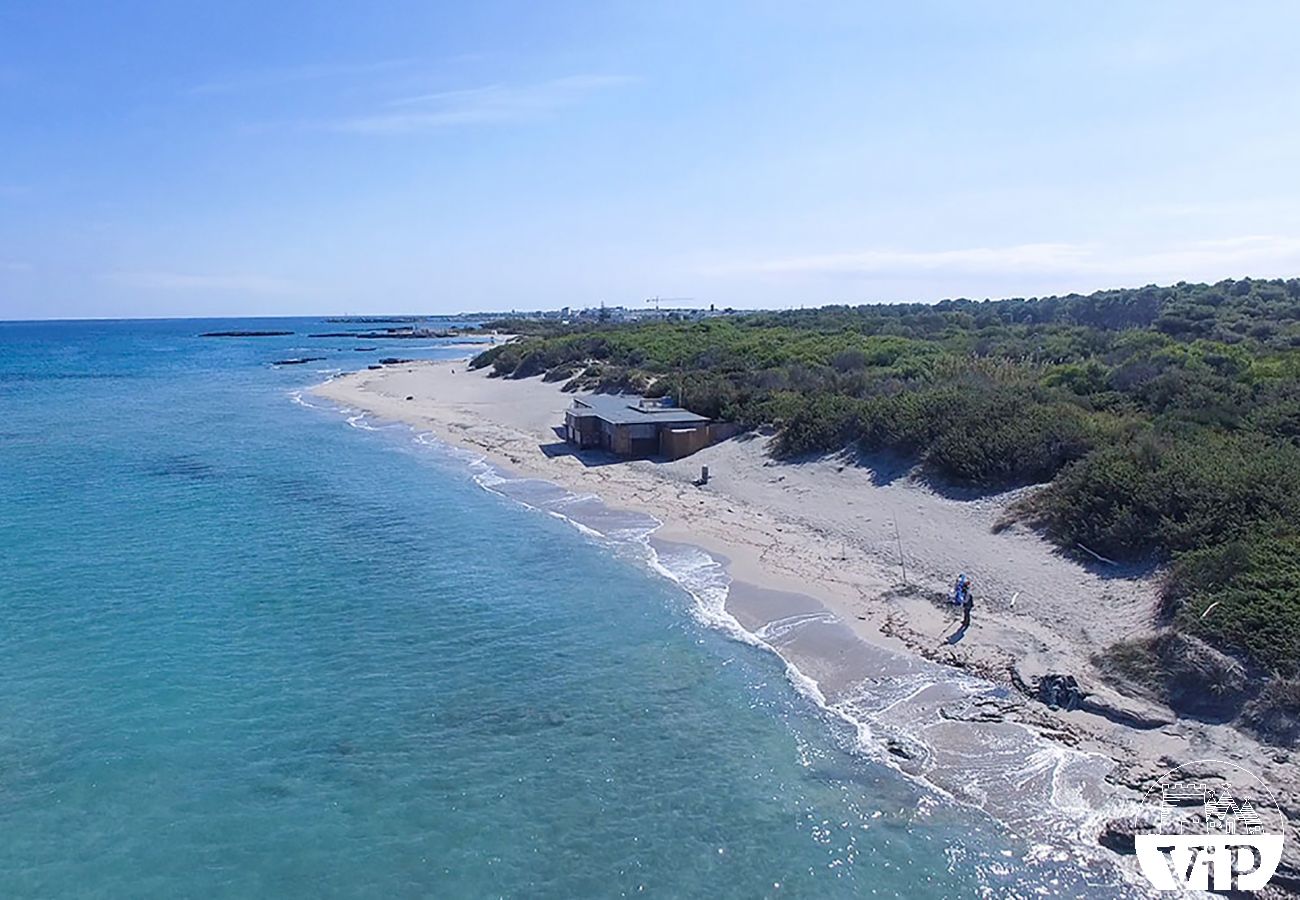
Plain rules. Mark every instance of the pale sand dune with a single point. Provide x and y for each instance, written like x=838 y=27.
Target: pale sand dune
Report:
x=826 y=529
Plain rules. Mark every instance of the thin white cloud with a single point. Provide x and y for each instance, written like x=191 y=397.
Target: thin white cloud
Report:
x=14 y=265
x=181 y=281
x=269 y=78
x=1148 y=52
x=1036 y=257
x=492 y=104
x=1238 y=256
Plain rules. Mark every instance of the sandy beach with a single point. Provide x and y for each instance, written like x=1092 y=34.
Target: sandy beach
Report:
x=818 y=552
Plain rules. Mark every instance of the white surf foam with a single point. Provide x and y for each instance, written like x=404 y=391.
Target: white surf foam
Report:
x=297 y=397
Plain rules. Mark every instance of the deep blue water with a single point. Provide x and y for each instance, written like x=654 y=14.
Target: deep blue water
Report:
x=249 y=651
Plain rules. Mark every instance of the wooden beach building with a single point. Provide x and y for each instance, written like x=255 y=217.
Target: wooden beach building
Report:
x=636 y=426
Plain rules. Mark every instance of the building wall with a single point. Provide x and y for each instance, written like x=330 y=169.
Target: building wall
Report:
x=583 y=431
x=674 y=443
x=723 y=431
x=643 y=440
x=633 y=440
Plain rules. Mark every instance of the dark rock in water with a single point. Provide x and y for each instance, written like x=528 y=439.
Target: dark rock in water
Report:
x=393 y=361
x=389 y=333
x=297 y=360
x=364 y=349
x=1060 y=692
x=245 y=333
x=374 y=366
x=907 y=755
x=373 y=320
x=1120 y=835
x=906 y=749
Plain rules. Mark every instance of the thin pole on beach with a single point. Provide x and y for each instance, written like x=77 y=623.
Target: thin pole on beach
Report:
x=901 y=562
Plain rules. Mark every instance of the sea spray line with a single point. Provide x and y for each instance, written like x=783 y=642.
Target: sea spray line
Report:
x=779 y=628
x=296 y=397
x=589 y=532
x=925 y=685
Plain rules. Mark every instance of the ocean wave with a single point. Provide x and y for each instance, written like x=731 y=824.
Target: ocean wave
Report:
x=358 y=420
x=779 y=628
x=296 y=396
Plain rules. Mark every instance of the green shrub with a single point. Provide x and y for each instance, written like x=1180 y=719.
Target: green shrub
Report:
x=488 y=357
x=1243 y=595
x=818 y=425
x=1162 y=495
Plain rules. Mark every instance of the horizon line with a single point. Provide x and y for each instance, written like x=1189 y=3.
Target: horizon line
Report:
x=540 y=309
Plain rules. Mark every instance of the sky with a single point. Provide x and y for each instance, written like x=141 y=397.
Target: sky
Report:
x=254 y=158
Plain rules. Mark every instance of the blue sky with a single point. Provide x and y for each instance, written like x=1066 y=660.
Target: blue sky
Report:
x=293 y=157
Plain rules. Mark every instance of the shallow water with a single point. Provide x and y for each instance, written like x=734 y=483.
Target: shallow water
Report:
x=247 y=650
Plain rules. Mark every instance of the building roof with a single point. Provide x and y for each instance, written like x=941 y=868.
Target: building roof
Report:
x=629 y=409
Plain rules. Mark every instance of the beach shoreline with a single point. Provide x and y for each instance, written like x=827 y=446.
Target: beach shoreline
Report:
x=814 y=554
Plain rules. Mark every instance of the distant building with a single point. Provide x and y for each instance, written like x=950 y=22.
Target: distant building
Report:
x=635 y=426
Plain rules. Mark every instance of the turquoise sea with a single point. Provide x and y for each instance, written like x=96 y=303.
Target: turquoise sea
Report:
x=247 y=650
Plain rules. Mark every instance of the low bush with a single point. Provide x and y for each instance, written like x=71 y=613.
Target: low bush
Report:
x=1243 y=594
x=1159 y=495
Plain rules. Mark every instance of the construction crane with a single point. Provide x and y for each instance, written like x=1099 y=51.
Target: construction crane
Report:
x=656 y=300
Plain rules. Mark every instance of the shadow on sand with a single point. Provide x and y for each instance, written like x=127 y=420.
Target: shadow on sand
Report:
x=589 y=458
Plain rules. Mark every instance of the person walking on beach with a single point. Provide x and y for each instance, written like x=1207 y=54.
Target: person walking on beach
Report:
x=962 y=594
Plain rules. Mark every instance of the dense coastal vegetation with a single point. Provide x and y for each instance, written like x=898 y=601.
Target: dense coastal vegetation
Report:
x=1164 y=420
